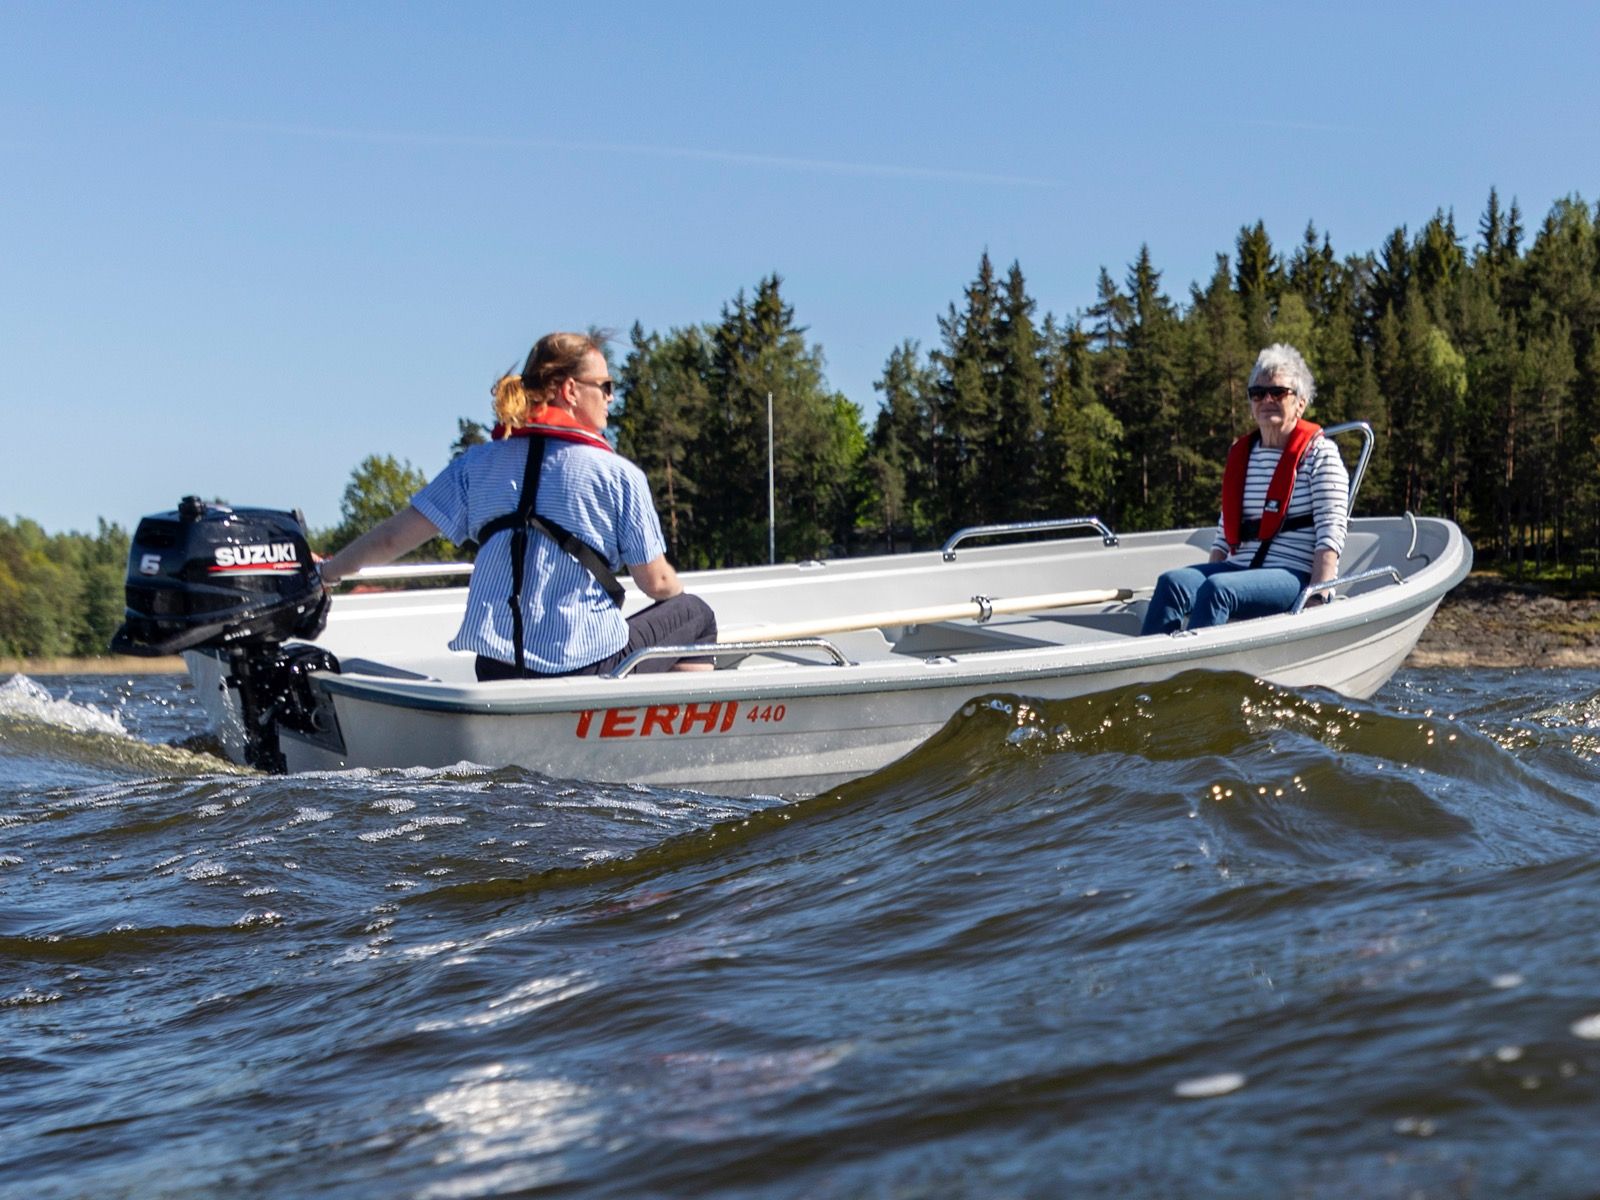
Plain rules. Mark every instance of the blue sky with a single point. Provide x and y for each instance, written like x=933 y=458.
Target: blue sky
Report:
x=243 y=246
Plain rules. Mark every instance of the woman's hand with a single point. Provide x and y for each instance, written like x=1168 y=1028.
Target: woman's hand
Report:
x=329 y=580
x=1324 y=567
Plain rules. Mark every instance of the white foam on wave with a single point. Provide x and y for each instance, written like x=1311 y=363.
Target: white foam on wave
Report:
x=1588 y=1027
x=24 y=700
x=412 y=826
x=1207 y=1087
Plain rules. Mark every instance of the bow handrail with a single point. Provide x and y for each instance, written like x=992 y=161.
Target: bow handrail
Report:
x=1312 y=589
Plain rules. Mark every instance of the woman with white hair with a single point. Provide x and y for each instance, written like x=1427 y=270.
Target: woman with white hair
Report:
x=1285 y=507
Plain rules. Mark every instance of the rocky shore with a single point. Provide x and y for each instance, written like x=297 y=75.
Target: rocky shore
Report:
x=1488 y=621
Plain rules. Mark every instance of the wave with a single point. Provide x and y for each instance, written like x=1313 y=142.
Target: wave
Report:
x=164 y=942
x=1240 y=916
x=87 y=738
x=21 y=699
x=1258 y=777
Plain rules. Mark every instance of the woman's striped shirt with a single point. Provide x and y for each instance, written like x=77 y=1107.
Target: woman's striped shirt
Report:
x=1321 y=487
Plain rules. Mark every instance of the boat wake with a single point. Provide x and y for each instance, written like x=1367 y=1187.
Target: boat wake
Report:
x=21 y=699
x=89 y=737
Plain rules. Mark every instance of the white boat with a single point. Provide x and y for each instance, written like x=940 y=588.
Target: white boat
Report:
x=829 y=670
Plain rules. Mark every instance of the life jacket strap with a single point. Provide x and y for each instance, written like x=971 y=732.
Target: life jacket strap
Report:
x=523 y=519
x=1249 y=530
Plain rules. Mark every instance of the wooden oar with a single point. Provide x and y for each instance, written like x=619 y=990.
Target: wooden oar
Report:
x=971 y=609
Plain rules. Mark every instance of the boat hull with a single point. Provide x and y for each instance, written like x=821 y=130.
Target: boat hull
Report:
x=783 y=725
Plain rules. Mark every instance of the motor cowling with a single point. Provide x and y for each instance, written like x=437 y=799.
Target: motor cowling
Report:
x=207 y=575
x=237 y=583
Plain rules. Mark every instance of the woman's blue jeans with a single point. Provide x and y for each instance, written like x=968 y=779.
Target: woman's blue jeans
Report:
x=1215 y=593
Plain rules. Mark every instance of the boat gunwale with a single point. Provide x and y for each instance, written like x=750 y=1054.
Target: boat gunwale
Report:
x=1000 y=669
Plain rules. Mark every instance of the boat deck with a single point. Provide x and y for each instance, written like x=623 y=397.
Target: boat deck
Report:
x=941 y=639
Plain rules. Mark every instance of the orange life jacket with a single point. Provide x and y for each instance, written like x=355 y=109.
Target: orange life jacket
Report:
x=549 y=421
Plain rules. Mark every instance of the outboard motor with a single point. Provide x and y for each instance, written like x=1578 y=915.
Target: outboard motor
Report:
x=239 y=582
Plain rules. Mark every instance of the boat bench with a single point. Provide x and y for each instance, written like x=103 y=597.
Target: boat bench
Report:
x=955 y=638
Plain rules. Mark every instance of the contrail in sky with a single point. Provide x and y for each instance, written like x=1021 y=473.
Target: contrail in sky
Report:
x=778 y=161
x=1302 y=126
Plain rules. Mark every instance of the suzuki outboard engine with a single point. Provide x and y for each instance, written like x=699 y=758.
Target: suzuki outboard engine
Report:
x=238 y=582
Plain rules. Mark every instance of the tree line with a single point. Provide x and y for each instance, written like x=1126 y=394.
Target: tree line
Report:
x=1474 y=356
x=1475 y=359
x=60 y=594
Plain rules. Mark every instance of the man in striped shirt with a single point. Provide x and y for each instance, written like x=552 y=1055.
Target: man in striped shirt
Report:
x=1266 y=551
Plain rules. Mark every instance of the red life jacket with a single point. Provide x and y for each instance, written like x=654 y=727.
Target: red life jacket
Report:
x=549 y=421
x=1235 y=529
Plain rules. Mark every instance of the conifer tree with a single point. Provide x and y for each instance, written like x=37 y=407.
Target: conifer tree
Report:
x=1292 y=324
x=1107 y=341
x=1082 y=445
x=758 y=350
x=905 y=445
x=1218 y=360
x=1439 y=261
x=1314 y=274
x=1391 y=276
x=1334 y=354
x=1492 y=229
x=1152 y=428
x=663 y=397
x=967 y=364
x=1110 y=316
x=1013 y=466
x=469 y=433
x=1258 y=278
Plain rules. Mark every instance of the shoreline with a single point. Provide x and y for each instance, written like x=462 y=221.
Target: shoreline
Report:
x=1486 y=621
x=1492 y=622
x=109 y=664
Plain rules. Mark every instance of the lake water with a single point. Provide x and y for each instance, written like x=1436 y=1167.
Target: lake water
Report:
x=1201 y=939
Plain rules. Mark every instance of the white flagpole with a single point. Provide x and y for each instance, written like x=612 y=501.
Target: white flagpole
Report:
x=772 y=510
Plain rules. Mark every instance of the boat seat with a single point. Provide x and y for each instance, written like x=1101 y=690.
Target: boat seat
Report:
x=957 y=637
x=860 y=645
x=446 y=668
x=1021 y=632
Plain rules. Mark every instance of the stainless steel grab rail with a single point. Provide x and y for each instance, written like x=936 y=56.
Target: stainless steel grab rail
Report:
x=410 y=571
x=948 y=550
x=712 y=649
x=1356 y=476
x=1312 y=589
